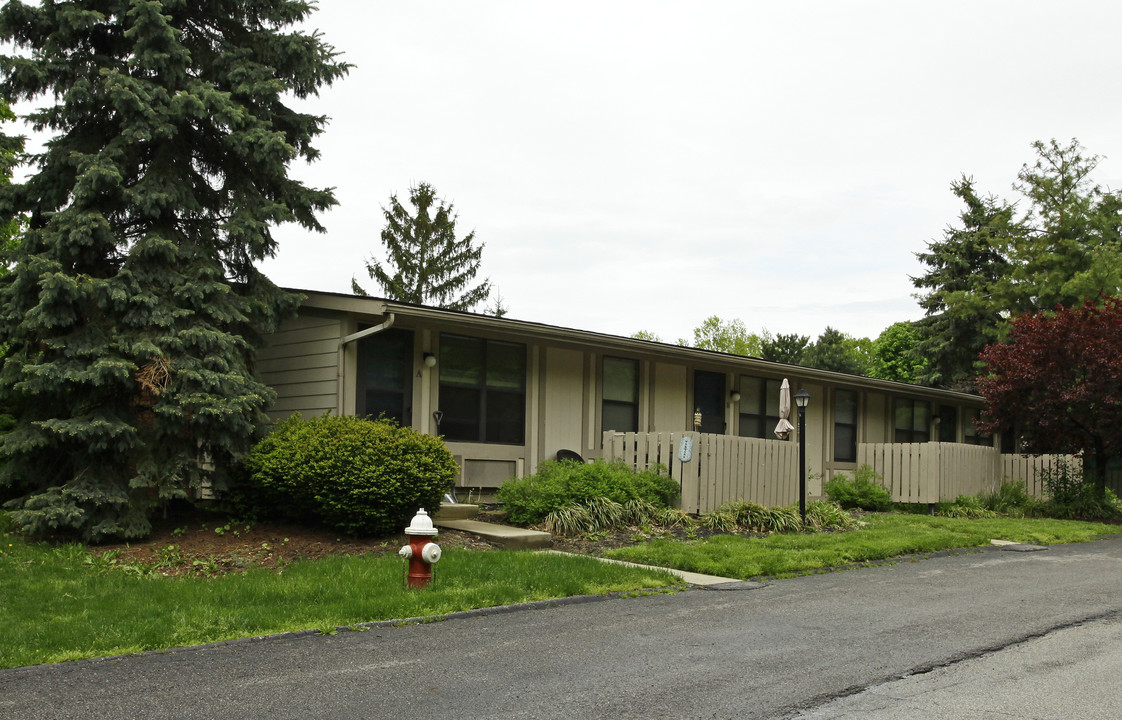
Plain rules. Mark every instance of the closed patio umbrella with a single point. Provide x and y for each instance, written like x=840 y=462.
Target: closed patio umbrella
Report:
x=784 y=428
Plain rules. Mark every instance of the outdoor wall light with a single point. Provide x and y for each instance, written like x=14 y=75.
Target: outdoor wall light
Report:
x=430 y=360
x=734 y=396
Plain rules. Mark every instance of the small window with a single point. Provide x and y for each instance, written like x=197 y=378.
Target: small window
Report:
x=948 y=423
x=845 y=425
x=385 y=380
x=970 y=432
x=913 y=421
x=482 y=390
x=759 y=407
x=620 y=407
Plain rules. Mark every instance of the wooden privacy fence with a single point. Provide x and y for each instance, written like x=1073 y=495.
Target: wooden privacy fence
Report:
x=940 y=472
x=721 y=467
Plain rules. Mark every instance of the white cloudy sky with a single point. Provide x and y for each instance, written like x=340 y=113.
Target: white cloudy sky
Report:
x=646 y=164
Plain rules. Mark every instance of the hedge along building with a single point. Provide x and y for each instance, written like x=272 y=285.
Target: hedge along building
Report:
x=508 y=394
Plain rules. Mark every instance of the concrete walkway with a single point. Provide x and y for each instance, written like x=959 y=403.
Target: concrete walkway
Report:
x=710 y=582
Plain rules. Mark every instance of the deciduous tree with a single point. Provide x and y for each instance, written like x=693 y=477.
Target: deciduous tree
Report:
x=425 y=263
x=725 y=336
x=134 y=305
x=1057 y=380
x=894 y=355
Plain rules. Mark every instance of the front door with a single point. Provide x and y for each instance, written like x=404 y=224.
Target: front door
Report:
x=709 y=400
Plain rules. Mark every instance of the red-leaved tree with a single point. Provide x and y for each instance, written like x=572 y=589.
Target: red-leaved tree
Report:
x=1058 y=377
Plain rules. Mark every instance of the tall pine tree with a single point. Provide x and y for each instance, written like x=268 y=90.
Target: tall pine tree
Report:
x=134 y=304
x=426 y=264
x=961 y=289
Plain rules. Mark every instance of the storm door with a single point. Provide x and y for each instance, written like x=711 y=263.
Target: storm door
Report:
x=709 y=400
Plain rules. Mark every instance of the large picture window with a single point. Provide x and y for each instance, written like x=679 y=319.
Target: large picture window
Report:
x=759 y=406
x=845 y=426
x=913 y=421
x=482 y=390
x=620 y=407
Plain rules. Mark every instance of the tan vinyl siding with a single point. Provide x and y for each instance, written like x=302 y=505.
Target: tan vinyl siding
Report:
x=669 y=412
x=301 y=362
x=563 y=401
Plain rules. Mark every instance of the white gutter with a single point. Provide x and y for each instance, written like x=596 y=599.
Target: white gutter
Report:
x=385 y=325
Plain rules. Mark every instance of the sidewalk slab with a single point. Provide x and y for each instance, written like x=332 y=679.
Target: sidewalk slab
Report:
x=689 y=577
x=456 y=511
x=504 y=536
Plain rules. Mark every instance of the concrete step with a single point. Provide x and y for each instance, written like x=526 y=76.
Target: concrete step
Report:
x=456 y=511
x=504 y=536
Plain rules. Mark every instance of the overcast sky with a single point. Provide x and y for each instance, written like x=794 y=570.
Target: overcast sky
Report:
x=643 y=165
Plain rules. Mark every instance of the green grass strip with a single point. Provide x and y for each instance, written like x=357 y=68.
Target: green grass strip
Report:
x=884 y=536
x=57 y=606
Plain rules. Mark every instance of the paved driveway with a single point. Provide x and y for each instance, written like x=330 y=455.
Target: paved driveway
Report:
x=790 y=647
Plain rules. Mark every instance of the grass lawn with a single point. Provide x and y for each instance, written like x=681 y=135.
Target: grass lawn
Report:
x=59 y=603
x=884 y=536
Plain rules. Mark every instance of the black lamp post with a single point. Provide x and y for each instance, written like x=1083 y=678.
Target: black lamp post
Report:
x=802 y=398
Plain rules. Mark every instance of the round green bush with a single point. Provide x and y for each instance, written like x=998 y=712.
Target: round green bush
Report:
x=560 y=483
x=361 y=476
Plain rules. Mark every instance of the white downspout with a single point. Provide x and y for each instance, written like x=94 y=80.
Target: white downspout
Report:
x=385 y=325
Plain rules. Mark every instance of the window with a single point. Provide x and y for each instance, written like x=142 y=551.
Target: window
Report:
x=948 y=423
x=759 y=406
x=845 y=425
x=385 y=383
x=972 y=436
x=620 y=408
x=482 y=390
x=913 y=421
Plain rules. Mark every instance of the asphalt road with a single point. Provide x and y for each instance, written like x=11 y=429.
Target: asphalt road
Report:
x=968 y=635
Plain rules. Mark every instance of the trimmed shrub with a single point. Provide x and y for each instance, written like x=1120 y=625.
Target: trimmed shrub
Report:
x=559 y=483
x=360 y=476
x=863 y=491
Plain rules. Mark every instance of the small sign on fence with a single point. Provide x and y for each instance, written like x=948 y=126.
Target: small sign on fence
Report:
x=685 y=449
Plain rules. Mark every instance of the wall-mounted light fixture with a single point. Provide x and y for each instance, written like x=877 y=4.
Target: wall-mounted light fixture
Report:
x=430 y=360
x=734 y=396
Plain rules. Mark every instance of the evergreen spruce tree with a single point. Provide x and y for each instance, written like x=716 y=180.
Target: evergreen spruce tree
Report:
x=134 y=305
x=426 y=264
x=961 y=289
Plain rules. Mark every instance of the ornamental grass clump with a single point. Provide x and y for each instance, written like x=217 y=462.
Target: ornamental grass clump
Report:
x=360 y=476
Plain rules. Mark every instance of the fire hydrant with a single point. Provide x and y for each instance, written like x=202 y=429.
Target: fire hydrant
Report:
x=421 y=552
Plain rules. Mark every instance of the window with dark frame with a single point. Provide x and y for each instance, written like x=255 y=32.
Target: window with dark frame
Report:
x=948 y=423
x=913 y=421
x=619 y=409
x=970 y=432
x=845 y=426
x=482 y=390
x=759 y=406
x=385 y=380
